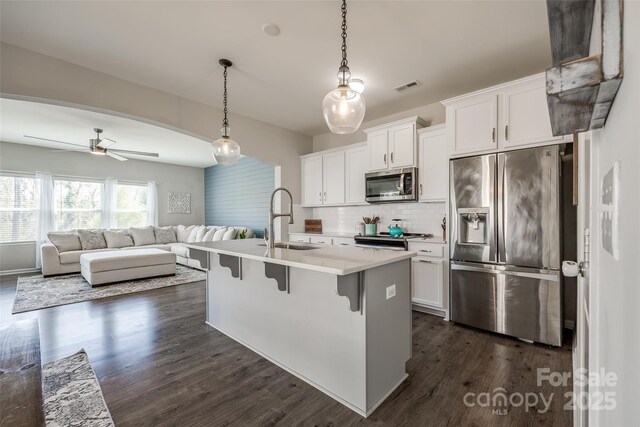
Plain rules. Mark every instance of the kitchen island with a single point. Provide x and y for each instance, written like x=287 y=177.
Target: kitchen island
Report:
x=337 y=317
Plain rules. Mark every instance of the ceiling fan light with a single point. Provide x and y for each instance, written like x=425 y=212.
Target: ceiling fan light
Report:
x=225 y=151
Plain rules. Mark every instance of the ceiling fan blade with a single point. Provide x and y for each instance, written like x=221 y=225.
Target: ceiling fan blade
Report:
x=116 y=156
x=103 y=144
x=53 y=140
x=139 y=153
x=64 y=150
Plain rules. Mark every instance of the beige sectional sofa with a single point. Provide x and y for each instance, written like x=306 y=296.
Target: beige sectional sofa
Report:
x=61 y=255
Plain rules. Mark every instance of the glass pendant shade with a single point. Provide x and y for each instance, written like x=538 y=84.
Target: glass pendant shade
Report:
x=225 y=150
x=343 y=109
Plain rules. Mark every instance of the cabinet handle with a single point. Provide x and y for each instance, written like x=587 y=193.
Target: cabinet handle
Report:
x=344 y=244
x=320 y=196
x=424 y=260
x=391 y=157
x=421 y=189
x=506 y=132
x=424 y=250
x=385 y=159
x=493 y=135
x=325 y=196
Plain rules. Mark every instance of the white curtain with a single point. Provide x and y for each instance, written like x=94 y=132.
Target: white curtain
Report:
x=152 y=203
x=45 y=213
x=110 y=203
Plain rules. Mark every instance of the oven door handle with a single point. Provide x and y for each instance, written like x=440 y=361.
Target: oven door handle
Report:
x=402 y=193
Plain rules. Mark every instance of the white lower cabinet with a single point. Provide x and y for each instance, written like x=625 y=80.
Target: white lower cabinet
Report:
x=322 y=240
x=299 y=238
x=429 y=272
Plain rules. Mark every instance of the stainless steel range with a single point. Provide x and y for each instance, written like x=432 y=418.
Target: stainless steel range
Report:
x=385 y=241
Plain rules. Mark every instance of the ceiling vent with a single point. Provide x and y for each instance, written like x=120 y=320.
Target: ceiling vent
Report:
x=408 y=86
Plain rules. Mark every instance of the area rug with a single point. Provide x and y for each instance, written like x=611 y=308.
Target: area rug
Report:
x=37 y=292
x=72 y=394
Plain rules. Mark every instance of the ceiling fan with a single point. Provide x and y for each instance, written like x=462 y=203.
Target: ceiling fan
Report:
x=99 y=146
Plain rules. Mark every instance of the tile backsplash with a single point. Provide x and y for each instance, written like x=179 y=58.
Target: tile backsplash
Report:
x=416 y=217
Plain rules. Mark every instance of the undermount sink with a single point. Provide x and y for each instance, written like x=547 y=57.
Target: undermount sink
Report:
x=291 y=246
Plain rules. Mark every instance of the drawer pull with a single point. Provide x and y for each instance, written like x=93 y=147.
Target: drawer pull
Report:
x=424 y=260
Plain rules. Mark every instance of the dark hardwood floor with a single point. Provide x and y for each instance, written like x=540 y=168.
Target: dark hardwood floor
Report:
x=159 y=364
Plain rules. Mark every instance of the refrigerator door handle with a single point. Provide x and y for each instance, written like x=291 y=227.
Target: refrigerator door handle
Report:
x=500 y=205
x=551 y=275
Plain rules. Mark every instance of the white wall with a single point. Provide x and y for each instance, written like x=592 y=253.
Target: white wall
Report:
x=27 y=74
x=615 y=287
x=170 y=178
x=433 y=114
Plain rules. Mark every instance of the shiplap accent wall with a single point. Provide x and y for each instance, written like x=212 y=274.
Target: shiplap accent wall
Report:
x=239 y=194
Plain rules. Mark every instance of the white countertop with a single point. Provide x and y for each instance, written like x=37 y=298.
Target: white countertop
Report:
x=339 y=260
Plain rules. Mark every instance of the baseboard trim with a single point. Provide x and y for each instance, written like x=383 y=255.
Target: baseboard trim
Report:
x=19 y=271
x=430 y=310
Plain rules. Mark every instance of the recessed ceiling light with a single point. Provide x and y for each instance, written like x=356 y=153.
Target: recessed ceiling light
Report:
x=357 y=85
x=271 y=29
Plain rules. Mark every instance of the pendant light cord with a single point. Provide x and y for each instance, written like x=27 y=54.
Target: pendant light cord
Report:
x=344 y=34
x=225 y=122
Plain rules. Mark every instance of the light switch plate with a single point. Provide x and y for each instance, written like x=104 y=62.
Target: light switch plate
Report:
x=609 y=208
x=391 y=291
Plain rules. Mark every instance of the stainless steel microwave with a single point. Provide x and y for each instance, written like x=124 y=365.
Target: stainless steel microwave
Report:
x=397 y=185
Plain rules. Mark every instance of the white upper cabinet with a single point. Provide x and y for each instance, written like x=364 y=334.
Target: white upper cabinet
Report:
x=378 y=150
x=525 y=115
x=356 y=165
x=504 y=117
x=433 y=172
x=473 y=124
x=335 y=177
x=393 y=145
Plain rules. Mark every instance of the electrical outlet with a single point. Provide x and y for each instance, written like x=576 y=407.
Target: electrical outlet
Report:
x=391 y=291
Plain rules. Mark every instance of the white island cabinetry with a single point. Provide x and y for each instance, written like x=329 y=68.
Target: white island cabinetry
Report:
x=337 y=317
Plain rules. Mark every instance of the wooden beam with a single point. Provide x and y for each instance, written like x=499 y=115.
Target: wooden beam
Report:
x=570 y=24
x=580 y=92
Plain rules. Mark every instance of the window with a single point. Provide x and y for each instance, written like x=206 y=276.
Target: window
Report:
x=19 y=205
x=77 y=204
x=131 y=205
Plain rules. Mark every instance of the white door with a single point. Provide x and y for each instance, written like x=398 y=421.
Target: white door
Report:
x=333 y=178
x=427 y=282
x=433 y=172
x=356 y=165
x=525 y=116
x=312 y=176
x=377 y=142
x=474 y=125
x=402 y=146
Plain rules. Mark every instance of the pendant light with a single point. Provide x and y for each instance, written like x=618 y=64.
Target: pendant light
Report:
x=225 y=150
x=343 y=108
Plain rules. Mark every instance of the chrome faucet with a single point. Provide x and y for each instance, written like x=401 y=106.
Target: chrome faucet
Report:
x=269 y=236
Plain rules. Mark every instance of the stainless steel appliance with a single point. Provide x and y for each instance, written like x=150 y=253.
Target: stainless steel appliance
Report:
x=397 y=185
x=505 y=243
x=385 y=241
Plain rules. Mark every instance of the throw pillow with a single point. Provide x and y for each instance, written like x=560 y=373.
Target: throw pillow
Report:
x=182 y=232
x=165 y=235
x=200 y=234
x=219 y=234
x=117 y=238
x=65 y=242
x=208 y=236
x=230 y=234
x=194 y=233
x=143 y=235
x=92 y=239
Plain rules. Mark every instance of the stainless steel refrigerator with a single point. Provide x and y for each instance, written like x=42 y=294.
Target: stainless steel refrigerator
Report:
x=505 y=243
